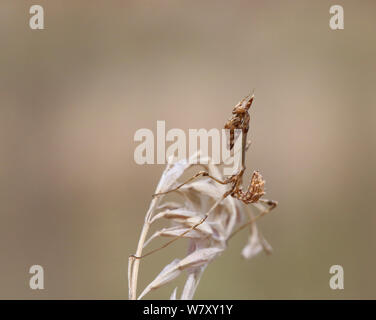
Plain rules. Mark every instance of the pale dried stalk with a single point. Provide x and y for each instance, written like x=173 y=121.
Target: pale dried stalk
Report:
x=134 y=264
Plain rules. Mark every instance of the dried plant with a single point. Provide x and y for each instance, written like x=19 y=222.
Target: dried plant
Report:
x=207 y=215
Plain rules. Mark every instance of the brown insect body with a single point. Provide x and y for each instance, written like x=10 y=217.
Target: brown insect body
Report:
x=240 y=120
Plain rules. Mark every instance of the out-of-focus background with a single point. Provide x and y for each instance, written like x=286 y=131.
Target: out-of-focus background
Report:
x=72 y=198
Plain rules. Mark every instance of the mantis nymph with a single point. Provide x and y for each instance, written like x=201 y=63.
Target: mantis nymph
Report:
x=253 y=194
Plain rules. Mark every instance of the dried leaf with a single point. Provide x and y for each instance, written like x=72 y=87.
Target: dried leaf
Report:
x=256 y=244
x=189 y=287
x=174 y=232
x=172 y=174
x=179 y=213
x=173 y=294
x=168 y=273
x=203 y=227
x=205 y=187
x=169 y=206
x=199 y=258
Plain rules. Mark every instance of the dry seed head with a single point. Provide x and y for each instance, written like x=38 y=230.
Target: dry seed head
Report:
x=208 y=240
x=207 y=234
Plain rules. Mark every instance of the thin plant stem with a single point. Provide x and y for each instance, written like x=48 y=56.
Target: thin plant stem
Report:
x=134 y=264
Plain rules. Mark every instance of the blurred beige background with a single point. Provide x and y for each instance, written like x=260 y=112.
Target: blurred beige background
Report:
x=73 y=200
